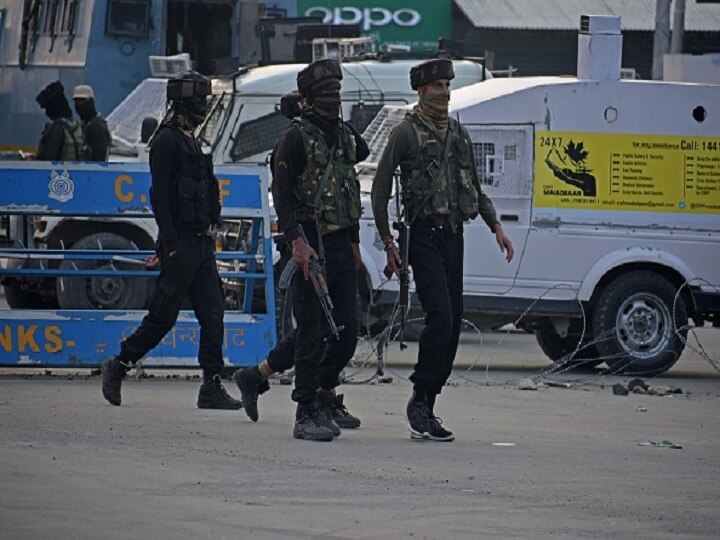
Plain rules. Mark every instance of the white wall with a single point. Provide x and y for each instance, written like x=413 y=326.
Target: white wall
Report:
x=703 y=68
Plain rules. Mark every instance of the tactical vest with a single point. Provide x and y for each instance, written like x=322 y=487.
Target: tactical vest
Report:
x=441 y=180
x=73 y=148
x=196 y=201
x=329 y=190
x=101 y=126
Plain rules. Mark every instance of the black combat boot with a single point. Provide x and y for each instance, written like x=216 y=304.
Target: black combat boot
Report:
x=422 y=423
x=113 y=373
x=251 y=384
x=326 y=406
x=437 y=431
x=342 y=416
x=214 y=396
x=307 y=424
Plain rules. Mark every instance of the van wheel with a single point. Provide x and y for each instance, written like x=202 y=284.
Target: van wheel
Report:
x=558 y=348
x=102 y=292
x=640 y=324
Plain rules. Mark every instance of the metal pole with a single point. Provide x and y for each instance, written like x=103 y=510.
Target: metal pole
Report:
x=661 y=42
x=676 y=43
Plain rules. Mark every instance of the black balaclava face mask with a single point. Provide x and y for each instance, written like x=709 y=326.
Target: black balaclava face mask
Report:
x=58 y=107
x=85 y=108
x=192 y=110
x=327 y=105
x=325 y=99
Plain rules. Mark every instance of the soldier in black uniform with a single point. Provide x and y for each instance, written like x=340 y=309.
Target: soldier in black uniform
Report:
x=186 y=202
x=441 y=184
x=253 y=381
x=62 y=139
x=316 y=188
x=95 y=129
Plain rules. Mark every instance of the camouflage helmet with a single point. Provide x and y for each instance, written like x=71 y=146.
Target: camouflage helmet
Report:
x=432 y=70
x=319 y=70
x=188 y=85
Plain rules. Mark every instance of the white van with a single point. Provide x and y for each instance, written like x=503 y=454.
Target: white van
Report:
x=610 y=192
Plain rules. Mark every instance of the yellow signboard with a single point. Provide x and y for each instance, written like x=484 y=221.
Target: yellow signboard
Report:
x=627 y=172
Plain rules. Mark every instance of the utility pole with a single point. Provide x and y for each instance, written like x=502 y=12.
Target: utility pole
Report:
x=661 y=43
x=676 y=43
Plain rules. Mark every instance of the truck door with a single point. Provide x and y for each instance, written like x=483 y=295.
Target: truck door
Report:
x=503 y=159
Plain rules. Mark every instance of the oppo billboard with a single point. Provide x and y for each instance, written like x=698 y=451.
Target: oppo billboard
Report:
x=413 y=23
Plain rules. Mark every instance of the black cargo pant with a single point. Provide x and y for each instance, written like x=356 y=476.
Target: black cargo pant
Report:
x=191 y=272
x=282 y=357
x=319 y=357
x=436 y=257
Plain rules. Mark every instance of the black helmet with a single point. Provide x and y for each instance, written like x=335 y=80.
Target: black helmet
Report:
x=188 y=95
x=190 y=84
x=327 y=70
x=432 y=70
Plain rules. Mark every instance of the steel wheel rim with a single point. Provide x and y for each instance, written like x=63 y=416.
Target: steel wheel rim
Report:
x=106 y=292
x=643 y=325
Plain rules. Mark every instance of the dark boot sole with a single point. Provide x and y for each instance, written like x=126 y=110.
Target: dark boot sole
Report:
x=322 y=438
x=425 y=436
x=221 y=408
x=347 y=425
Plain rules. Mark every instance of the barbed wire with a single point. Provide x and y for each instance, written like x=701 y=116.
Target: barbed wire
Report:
x=375 y=348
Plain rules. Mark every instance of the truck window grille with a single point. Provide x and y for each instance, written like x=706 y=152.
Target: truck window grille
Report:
x=485 y=167
x=258 y=135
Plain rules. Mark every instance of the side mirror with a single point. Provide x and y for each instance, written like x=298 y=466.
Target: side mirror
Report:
x=149 y=125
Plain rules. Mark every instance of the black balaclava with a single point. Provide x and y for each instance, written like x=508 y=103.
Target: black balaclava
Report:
x=85 y=109
x=190 y=112
x=53 y=100
x=325 y=99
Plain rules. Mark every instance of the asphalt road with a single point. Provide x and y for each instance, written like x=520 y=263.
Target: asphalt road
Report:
x=570 y=463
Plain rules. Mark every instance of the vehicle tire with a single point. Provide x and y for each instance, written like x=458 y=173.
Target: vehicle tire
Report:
x=640 y=324
x=557 y=348
x=17 y=298
x=102 y=292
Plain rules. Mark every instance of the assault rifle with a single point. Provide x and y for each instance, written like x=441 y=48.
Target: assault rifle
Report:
x=317 y=277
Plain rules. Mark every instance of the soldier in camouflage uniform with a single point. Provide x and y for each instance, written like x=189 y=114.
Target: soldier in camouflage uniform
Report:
x=442 y=190
x=315 y=187
x=62 y=139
